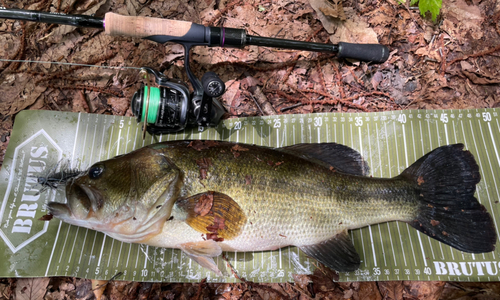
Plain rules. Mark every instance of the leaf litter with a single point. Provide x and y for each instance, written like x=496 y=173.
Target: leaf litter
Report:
x=451 y=63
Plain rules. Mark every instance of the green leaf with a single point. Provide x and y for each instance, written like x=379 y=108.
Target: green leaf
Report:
x=430 y=5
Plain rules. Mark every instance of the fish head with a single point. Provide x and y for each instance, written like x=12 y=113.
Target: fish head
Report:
x=128 y=197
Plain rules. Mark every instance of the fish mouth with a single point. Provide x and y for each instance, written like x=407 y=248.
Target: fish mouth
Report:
x=59 y=210
x=82 y=195
x=79 y=206
x=82 y=200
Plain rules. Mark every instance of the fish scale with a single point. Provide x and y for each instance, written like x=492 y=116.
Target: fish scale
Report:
x=307 y=213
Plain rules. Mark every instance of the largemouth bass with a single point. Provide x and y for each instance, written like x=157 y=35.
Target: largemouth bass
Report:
x=205 y=197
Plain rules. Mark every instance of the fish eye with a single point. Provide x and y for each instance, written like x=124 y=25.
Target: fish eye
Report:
x=96 y=171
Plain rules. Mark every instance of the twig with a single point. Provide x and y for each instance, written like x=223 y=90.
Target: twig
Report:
x=321 y=78
x=482 y=53
x=109 y=280
x=338 y=78
x=233 y=271
x=250 y=95
x=200 y=288
x=290 y=107
x=359 y=81
x=262 y=101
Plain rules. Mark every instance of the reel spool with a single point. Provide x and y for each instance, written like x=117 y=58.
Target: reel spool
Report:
x=169 y=107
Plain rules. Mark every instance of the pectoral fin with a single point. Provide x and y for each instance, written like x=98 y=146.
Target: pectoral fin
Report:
x=215 y=214
x=337 y=253
x=203 y=253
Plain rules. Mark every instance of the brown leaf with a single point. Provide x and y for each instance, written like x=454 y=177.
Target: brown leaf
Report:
x=31 y=288
x=434 y=222
x=420 y=180
x=80 y=103
x=302 y=280
x=461 y=19
x=376 y=79
x=98 y=287
x=220 y=223
x=369 y=291
x=119 y=105
x=202 y=145
x=481 y=78
x=213 y=236
x=420 y=290
x=205 y=203
x=391 y=290
x=238 y=147
x=334 y=9
x=203 y=163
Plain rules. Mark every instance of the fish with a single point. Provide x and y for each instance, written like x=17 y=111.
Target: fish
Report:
x=206 y=197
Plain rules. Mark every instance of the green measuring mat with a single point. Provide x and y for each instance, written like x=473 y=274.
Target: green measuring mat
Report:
x=389 y=141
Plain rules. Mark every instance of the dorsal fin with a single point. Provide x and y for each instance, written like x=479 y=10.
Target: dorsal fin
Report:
x=340 y=157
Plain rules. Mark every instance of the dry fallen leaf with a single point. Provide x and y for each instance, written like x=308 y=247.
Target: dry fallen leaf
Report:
x=420 y=290
x=204 y=204
x=333 y=8
x=31 y=288
x=392 y=290
x=98 y=287
x=353 y=30
x=460 y=19
x=481 y=78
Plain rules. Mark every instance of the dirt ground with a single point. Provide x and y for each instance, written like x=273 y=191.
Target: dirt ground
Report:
x=453 y=62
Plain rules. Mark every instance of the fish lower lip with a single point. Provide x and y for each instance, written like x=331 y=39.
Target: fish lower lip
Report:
x=58 y=209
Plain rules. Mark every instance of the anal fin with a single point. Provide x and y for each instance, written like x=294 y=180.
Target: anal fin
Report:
x=337 y=253
x=203 y=253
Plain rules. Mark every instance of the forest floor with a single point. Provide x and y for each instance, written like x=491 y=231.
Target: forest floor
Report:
x=453 y=62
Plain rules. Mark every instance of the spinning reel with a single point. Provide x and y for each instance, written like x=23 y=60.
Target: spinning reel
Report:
x=170 y=107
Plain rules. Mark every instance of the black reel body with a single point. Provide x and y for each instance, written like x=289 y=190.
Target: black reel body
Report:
x=170 y=107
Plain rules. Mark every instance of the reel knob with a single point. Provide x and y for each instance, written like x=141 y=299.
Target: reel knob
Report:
x=213 y=86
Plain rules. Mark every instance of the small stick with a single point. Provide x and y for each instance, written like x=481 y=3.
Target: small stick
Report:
x=254 y=100
x=338 y=78
x=482 y=53
x=290 y=107
x=262 y=101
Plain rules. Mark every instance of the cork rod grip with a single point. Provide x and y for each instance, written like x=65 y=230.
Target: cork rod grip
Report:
x=143 y=27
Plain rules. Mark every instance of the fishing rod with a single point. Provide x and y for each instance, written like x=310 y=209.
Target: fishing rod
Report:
x=170 y=107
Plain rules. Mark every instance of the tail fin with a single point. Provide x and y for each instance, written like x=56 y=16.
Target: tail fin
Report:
x=446 y=180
